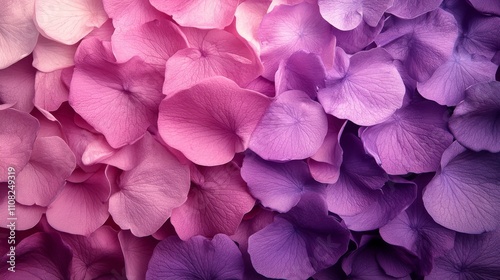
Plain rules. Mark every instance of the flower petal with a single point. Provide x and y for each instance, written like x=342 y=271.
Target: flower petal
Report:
x=17 y=85
x=409 y=9
x=347 y=15
x=50 y=56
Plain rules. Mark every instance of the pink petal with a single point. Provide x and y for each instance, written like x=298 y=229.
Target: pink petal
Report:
x=118 y=100
x=42 y=178
x=293 y=127
x=203 y=14
x=50 y=91
x=27 y=216
x=211 y=53
x=211 y=121
x=353 y=91
x=153 y=188
x=288 y=29
x=248 y=16
x=17 y=85
x=68 y=21
x=81 y=208
x=17 y=134
x=98 y=254
x=129 y=13
x=216 y=192
x=49 y=55
x=18 y=34
x=137 y=252
x=154 y=42
x=347 y=15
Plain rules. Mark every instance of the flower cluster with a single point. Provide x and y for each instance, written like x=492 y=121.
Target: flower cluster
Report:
x=256 y=139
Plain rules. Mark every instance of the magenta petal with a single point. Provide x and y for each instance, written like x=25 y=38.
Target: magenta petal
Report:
x=71 y=21
x=293 y=127
x=464 y=195
x=17 y=134
x=98 y=254
x=422 y=44
x=287 y=29
x=475 y=121
x=353 y=91
x=17 y=84
x=120 y=100
x=412 y=140
x=215 y=192
x=324 y=165
x=153 y=188
x=202 y=14
x=347 y=15
x=51 y=162
x=464 y=70
x=197 y=258
x=136 y=252
x=50 y=56
x=28 y=216
x=129 y=13
x=211 y=53
x=211 y=121
x=154 y=42
x=41 y=255
x=409 y=9
x=18 y=34
x=81 y=208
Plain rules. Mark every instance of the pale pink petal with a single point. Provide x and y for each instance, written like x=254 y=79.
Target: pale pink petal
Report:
x=128 y=13
x=50 y=91
x=81 y=208
x=18 y=34
x=68 y=21
x=50 y=55
x=17 y=85
x=347 y=15
x=211 y=121
x=137 y=252
x=152 y=189
x=210 y=53
x=17 y=134
x=217 y=201
x=248 y=16
x=199 y=13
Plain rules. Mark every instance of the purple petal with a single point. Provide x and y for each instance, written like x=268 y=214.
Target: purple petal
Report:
x=358 y=38
x=347 y=15
x=278 y=186
x=464 y=195
x=464 y=70
x=412 y=140
x=480 y=37
x=409 y=9
x=197 y=258
x=486 y=6
x=422 y=44
x=475 y=121
x=353 y=92
x=293 y=127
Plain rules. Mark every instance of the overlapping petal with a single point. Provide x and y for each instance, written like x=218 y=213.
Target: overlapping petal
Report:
x=50 y=90
x=50 y=55
x=347 y=15
x=136 y=252
x=409 y=9
x=357 y=39
x=17 y=85
x=130 y=13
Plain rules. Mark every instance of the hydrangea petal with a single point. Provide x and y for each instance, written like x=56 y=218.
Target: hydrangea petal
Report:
x=198 y=258
x=464 y=195
x=358 y=38
x=17 y=134
x=412 y=140
x=479 y=37
x=347 y=15
x=486 y=6
x=119 y=100
x=153 y=188
x=472 y=257
x=30 y=214
x=422 y=44
x=50 y=91
x=299 y=243
x=293 y=127
x=50 y=56
x=248 y=16
x=409 y=9
x=301 y=71
x=287 y=29
x=210 y=53
x=17 y=85
x=202 y=14
x=211 y=121
x=217 y=201
x=354 y=93
x=80 y=208
x=18 y=34
x=51 y=162
x=154 y=42
x=278 y=186
x=136 y=252
x=129 y=13
x=68 y=21
x=475 y=121
x=464 y=70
